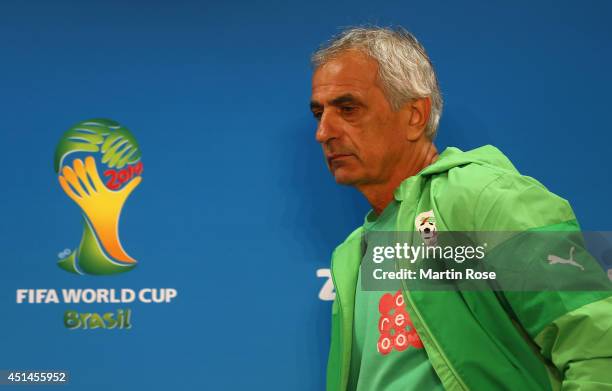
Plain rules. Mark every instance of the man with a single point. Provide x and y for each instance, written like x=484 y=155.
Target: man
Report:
x=377 y=102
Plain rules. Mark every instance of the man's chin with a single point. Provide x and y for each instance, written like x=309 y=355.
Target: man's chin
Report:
x=343 y=177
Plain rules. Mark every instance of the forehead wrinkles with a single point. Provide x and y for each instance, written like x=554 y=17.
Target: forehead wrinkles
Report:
x=328 y=93
x=340 y=85
x=324 y=93
x=351 y=70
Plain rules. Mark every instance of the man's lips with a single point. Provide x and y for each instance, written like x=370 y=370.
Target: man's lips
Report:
x=337 y=156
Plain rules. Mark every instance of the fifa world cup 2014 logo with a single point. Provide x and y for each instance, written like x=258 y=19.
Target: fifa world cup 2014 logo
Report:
x=85 y=150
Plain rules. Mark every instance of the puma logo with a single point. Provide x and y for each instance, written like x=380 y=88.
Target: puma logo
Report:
x=553 y=259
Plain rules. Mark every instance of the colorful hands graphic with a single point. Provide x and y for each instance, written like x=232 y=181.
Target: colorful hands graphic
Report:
x=102 y=208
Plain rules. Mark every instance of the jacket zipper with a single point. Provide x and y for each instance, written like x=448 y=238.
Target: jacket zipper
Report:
x=416 y=311
x=440 y=352
x=341 y=334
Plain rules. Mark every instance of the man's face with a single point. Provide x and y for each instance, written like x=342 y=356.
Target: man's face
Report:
x=357 y=128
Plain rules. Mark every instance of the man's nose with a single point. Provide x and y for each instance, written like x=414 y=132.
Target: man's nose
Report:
x=328 y=128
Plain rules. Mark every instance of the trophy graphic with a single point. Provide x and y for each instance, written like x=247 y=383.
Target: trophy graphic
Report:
x=82 y=150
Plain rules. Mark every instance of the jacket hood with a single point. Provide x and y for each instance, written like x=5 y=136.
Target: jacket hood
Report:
x=452 y=157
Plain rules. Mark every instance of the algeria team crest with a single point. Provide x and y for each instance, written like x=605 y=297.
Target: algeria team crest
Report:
x=425 y=223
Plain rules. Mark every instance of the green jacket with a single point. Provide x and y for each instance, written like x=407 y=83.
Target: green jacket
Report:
x=486 y=340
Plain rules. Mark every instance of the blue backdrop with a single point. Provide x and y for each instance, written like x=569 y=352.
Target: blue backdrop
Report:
x=236 y=209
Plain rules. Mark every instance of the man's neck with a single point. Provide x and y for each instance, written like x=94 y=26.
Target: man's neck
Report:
x=379 y=195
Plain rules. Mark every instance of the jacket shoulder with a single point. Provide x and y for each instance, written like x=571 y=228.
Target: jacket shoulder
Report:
x=484 y=197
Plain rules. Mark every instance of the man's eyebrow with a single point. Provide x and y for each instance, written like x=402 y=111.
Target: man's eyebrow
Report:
x=314 y=105
x=343 y=99
x=338 y=101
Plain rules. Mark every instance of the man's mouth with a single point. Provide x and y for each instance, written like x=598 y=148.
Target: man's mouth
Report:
x=337 y=156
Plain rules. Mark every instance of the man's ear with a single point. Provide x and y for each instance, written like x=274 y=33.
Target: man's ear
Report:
x=415 y=115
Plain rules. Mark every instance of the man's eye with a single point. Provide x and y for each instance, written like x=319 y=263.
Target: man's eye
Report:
x=348 y=109
x=317 y=114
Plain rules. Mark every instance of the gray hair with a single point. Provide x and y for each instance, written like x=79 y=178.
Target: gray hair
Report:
x=404 y=69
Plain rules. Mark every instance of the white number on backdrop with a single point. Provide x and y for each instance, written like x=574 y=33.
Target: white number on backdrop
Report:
x=327 y=292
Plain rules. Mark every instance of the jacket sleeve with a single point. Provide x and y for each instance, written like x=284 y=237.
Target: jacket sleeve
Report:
x=572 y=329
x=579 y=344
